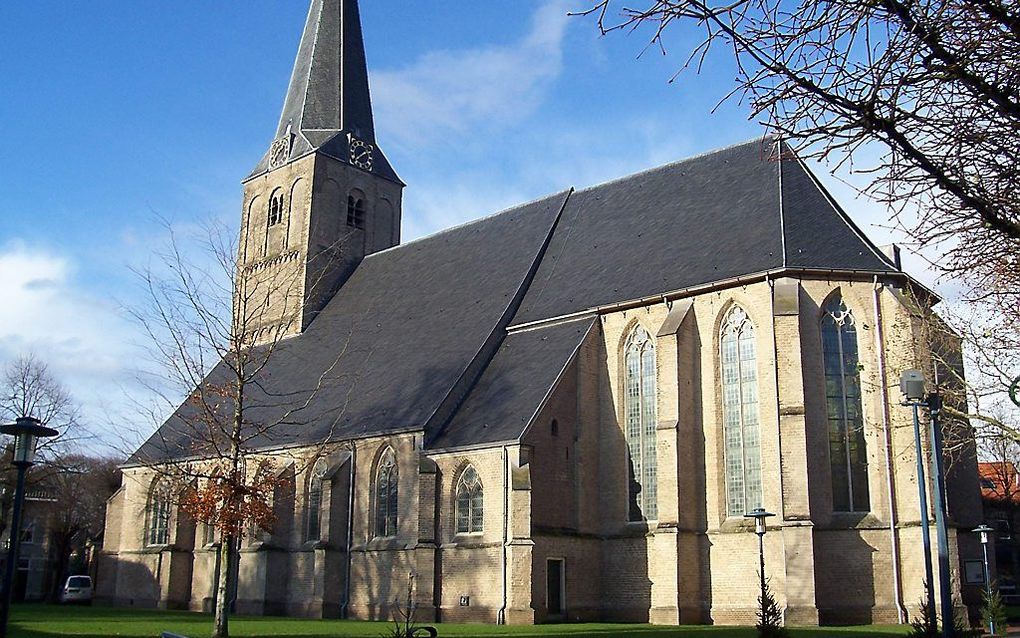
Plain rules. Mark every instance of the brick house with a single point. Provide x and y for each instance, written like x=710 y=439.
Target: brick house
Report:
x=562 y=411
x=1000 y=498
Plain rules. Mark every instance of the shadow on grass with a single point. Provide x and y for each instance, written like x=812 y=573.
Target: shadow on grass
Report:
x=39 y=621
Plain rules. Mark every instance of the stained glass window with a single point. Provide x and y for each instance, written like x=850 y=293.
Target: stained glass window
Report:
x=740 y=414
x=848 y=457
x=386 y=496
x=640 y=393
x=469 y=503
x=314 y=498
x=158 y=532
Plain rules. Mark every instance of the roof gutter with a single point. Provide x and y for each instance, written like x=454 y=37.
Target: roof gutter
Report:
x=743 y=280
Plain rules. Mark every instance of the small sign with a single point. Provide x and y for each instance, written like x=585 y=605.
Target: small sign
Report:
x=465 y=601
x=974 y=570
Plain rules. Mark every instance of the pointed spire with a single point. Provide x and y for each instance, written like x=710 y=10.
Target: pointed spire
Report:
x=329 y=86
x=328 y=107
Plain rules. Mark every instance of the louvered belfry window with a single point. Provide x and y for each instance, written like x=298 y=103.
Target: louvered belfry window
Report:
x=740 y=413
x=848 y=457
x=640 y=388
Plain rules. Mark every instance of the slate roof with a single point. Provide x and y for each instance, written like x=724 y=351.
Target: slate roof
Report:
x=734 y=212
x=514 y=386
x=329 y=95
x=428 y=328
x=399 y=335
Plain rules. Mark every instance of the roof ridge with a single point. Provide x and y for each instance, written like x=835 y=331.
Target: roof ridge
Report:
x=472 y=222
x=673 y=164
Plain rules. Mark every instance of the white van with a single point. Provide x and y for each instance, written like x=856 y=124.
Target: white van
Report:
x=78 y=589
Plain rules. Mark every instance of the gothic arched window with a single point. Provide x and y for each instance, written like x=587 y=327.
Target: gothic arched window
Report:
x=157 y=529
x=314 y=500
x=469 y=504
x=639 y=402
x=740 y=413
x=275 y=208
x=848 y=457
x=386 y=495
x=355 y=211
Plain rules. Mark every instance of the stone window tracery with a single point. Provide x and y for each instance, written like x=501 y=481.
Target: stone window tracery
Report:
x=848 y=459
x=741 y=432
x=314 y=501
x=157 y=530
x=639 y=401
x=469 y=506
x=386 y=495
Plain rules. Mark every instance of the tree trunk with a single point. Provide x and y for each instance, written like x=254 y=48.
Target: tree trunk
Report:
x=221 y=622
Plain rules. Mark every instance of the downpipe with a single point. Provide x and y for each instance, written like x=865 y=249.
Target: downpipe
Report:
x=894 y=542
x=350 y=532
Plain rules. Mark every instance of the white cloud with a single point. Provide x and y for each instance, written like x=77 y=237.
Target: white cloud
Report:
x=84 y=339
x=454 y=91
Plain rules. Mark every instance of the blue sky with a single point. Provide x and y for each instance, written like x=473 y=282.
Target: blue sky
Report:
x=115 y=113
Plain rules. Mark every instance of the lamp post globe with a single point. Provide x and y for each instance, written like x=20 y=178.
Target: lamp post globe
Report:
x=26 y=432
x=759 y=515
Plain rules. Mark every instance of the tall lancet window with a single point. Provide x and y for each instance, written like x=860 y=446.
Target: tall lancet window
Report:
x=740 y=413
x=157 y=530
x=314 y=505
x=640 y=387
x=848 y=457
x=386 y=495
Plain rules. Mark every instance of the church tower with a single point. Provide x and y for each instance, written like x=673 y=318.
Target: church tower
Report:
x=323 y=196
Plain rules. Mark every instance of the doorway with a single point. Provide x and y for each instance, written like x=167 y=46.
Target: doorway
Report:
x=555 y=587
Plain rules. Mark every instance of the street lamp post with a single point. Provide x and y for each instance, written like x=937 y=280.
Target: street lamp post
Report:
x=912 y=387
x=934 y=404
x=984 y=530
x=759 y=515
x=26 y=432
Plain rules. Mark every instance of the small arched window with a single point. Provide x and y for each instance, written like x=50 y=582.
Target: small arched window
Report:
x=355 y=211
x=740 y=413
x=386 y=495
x=276 y=208
x=469 y=503
x=157 y=530
x=848 y=457
x=314 y=501
x=554 y=428
x=640 y=388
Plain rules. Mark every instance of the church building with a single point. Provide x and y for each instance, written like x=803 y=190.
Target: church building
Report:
x=562 y=411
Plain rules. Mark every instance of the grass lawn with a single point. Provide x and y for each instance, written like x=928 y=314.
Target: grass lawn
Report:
x=37 y=621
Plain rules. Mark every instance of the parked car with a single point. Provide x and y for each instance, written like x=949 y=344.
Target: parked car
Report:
x=78 y=589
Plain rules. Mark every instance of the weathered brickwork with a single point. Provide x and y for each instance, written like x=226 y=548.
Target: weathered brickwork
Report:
x=561 y=494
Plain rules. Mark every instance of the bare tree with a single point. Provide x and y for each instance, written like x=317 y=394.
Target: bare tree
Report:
x=932 y=85
x=81 y=485
x=215 y=327
x=29 y=389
